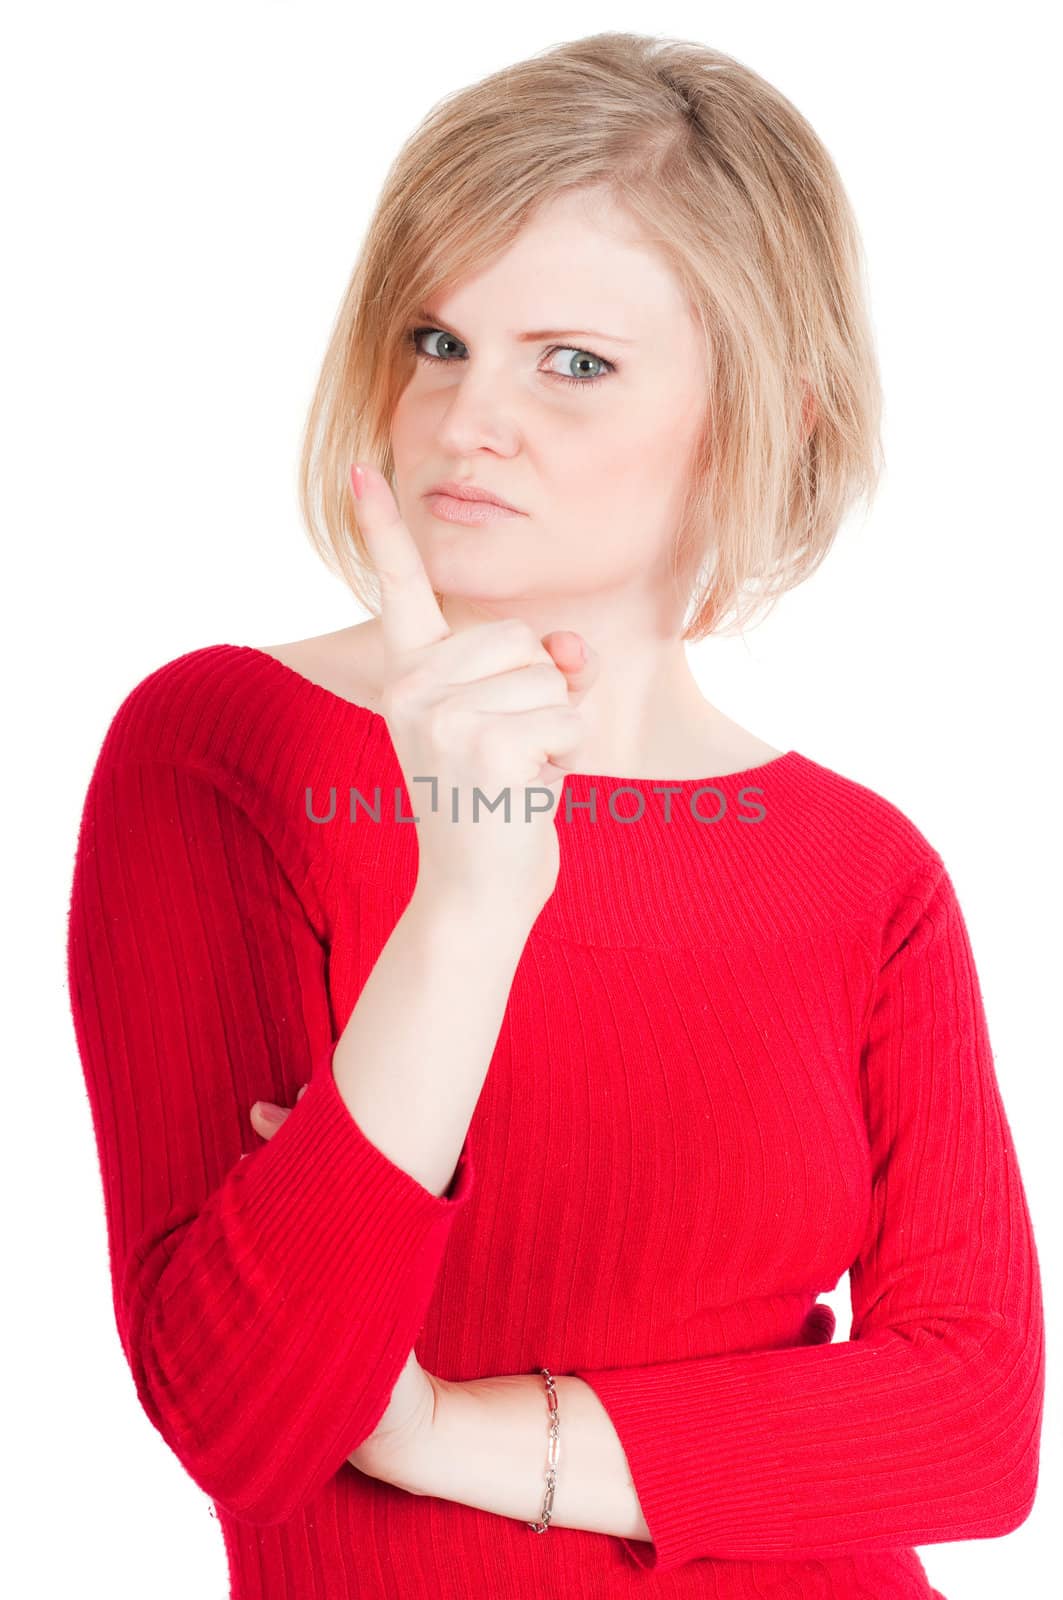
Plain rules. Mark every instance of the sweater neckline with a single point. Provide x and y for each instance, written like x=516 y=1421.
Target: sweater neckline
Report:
x=645 y=786
x=645 y=862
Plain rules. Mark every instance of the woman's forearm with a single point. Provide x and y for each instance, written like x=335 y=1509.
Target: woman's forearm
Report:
x=487 y=1448
x=412 y=1059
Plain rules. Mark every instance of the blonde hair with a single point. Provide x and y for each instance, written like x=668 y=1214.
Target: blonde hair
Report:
x=745 y=204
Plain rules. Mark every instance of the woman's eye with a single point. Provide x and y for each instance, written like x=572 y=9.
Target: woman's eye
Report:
x=577 y=359
x=426 y=355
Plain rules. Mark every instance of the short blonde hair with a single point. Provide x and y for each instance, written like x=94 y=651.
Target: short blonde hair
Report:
x=746 y=206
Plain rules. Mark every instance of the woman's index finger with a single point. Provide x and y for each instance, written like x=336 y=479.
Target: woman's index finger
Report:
x=409 y=612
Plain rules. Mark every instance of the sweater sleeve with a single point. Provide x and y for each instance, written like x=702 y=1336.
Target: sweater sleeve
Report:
x=267 y=1305
x=924 y=1425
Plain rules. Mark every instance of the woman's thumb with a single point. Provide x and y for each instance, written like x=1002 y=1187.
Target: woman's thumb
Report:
x=574 y=656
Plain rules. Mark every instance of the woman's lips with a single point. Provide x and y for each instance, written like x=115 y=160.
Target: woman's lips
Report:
x=472 y=512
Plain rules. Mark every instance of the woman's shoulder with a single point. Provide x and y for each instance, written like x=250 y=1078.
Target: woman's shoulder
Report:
x=872 y=841
x=215 y=703
x=184 y=710
x=244 y=732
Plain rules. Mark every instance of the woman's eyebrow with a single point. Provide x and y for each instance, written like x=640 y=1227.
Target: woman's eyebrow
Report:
x=536 y=333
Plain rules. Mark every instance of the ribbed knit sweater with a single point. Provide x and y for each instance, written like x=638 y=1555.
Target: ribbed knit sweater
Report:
x=744 y=1052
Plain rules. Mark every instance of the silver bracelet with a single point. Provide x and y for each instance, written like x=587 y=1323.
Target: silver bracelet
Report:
x=552 y=1456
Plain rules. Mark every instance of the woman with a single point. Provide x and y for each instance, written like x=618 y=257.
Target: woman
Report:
x=473 y=1171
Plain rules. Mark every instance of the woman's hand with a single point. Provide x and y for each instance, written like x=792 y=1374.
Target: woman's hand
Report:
x=492 y=707
x=390 y=1451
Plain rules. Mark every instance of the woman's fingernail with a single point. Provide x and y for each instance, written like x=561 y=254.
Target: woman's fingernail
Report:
x=269 y=1112
x=357 y=481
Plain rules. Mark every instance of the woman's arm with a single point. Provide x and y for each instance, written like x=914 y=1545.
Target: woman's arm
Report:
x=198 y=985
x=487 y=1448
x=412 y=1060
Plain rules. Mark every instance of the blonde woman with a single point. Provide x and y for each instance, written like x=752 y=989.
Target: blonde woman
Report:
x=493 y=1048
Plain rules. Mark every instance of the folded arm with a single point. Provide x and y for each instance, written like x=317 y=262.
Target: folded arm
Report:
x=922 y=1427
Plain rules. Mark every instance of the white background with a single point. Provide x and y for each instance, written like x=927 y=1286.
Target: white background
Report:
x=186 y=188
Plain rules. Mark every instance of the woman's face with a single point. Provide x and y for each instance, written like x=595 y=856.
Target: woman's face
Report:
x=600 y=464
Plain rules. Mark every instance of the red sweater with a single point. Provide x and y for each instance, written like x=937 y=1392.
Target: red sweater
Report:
x=740 y=1058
